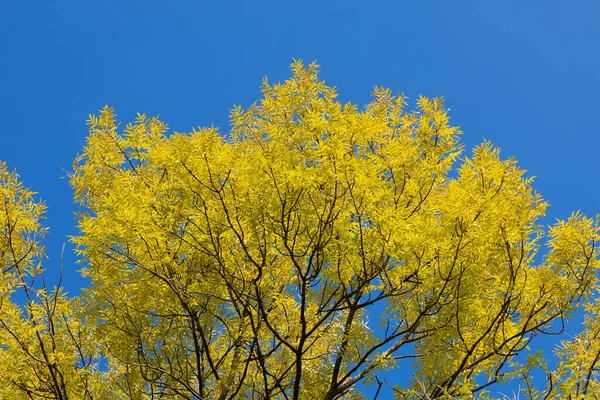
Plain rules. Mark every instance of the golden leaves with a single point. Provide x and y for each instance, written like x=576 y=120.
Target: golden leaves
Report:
x=304 y=252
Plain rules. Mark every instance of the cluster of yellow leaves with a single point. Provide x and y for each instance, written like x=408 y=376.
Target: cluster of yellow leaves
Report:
x=19 y=231
x=45 y=352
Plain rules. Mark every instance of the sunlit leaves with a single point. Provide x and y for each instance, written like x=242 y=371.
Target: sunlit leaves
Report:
x=313 y=246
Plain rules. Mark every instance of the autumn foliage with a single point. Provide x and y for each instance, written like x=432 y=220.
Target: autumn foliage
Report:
x=298 y=256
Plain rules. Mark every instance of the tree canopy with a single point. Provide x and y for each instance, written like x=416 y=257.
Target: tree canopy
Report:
x=313 y=252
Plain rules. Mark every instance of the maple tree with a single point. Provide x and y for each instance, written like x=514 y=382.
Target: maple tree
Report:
x=313 y=247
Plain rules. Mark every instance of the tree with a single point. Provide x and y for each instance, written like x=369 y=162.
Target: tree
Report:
x=312 y=248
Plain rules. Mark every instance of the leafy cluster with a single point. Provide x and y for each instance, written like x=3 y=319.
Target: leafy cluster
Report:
x=312 y=248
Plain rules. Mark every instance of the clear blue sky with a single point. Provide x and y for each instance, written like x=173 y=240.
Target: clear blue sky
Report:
x=523 y=74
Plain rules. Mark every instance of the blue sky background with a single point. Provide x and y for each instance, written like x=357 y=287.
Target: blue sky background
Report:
x=523 y=74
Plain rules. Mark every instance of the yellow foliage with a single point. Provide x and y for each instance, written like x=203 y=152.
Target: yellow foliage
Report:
x=310 y=248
